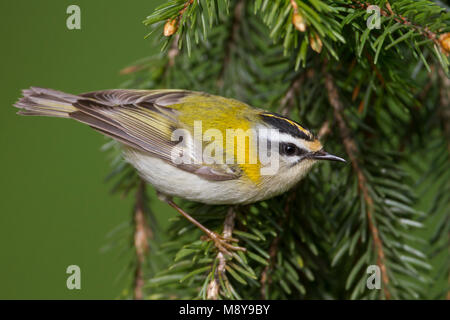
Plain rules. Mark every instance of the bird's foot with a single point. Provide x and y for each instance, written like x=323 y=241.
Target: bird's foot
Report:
x=223 y=243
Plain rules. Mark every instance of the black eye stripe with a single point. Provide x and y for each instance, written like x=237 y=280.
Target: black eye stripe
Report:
x=290 y=149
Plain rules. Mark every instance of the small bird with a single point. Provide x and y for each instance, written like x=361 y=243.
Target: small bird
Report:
x=148 y=124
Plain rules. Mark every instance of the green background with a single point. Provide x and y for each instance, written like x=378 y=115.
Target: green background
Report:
x=55 y=208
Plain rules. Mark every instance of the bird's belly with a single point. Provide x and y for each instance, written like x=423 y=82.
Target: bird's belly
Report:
x=173 y=181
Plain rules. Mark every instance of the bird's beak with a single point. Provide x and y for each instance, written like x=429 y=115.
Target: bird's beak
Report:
x=323 y=155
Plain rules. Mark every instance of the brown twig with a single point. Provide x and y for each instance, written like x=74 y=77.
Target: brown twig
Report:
x=294 y=6
x=388 y=7
x=141 y=235
x=352 y=151
x=375 y=69
x=444 y=114
x=214 y=286
x=288 y=100
x=131 y=69
x=273 y=249
x=231 y=41
x=186 y=5
x=173 y=51
x=324 y=130
x=265 y=276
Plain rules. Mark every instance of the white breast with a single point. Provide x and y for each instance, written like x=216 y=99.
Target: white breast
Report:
x=173 y=181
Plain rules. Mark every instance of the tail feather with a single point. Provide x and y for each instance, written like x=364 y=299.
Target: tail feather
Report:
x=52 y=103
x=46 y=102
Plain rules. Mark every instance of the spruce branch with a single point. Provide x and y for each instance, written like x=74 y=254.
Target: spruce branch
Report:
x=341 y=218
x=424 y=31
x=171 y=25
x=352 y=151
x=220 y=272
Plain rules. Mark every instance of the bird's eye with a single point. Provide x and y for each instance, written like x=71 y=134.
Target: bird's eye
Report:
x=289 y=149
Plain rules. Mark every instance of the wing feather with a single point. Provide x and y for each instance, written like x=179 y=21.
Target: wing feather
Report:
x=143 y=119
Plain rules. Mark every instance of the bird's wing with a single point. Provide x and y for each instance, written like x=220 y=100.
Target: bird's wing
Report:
x=144 y=120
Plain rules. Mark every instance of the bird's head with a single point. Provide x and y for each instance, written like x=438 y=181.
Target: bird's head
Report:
x=298 y=149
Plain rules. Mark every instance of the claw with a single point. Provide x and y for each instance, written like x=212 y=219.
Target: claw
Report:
x=222 y=243
x=227 y=239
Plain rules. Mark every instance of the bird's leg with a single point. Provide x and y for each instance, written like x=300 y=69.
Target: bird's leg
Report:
x=221 y=242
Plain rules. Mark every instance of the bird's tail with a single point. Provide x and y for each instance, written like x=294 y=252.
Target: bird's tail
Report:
x=46 y=102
